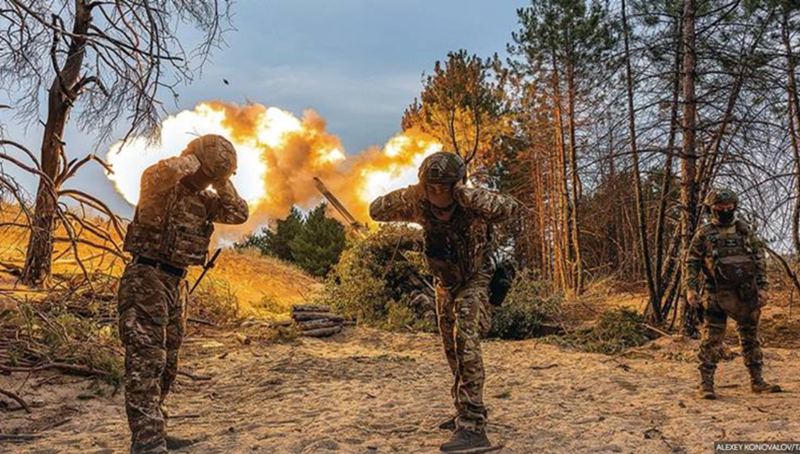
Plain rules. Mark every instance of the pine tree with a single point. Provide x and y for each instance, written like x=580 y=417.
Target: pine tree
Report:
x=319 y=244
x=278 y=243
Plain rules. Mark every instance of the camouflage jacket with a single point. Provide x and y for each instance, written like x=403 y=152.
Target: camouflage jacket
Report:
x=173 y=223
x=704 y=250
x=457 y=248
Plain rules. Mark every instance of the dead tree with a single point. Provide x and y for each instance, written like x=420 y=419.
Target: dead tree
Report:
x=106 y=61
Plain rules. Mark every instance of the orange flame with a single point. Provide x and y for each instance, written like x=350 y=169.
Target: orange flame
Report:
x=279 y=155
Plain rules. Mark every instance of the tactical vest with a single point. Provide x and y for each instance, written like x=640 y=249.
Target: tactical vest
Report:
x=182 y=237
x=732 y=261
x=457 y=248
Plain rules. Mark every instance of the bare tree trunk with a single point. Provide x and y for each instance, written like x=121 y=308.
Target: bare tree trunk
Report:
x=565 y=236
x=666 y=182
x=690 y=157
x=794 y=125
x=38 y=262
x=641 y=217
x=576 y=182
x=614 y=252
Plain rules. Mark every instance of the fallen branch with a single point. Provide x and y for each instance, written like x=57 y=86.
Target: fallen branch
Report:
x=19 y=400
x=654 y=329
x=19 y=437
x=68 y=368
x=193 y=376
x=199 y=321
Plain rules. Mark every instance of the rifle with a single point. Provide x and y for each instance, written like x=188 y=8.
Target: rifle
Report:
x=209 y=264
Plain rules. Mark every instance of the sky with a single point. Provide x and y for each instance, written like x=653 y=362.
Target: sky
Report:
x=358 y=63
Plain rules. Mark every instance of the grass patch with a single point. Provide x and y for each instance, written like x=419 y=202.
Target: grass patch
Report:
x=215 y=301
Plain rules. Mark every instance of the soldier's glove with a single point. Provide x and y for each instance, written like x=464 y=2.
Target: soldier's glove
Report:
x=693 y=299
x=222 y=185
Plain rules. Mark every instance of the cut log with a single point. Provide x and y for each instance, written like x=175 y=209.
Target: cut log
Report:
x=310 y=308
x=323 y=332
x=317 y=324
x=306 y=316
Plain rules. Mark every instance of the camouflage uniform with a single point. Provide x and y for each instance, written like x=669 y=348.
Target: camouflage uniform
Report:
x=457 y=253
x=171 y=230
x=731 y=259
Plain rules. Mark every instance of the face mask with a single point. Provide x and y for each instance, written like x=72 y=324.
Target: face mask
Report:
x=724 y=217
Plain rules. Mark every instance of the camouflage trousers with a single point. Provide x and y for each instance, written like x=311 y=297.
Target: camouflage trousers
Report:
x=718 y=308
x=463 y=320
x=152 y=323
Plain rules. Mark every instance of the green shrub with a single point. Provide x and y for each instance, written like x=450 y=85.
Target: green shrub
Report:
x=529 y=304
x=615 y=331
x=373 y=283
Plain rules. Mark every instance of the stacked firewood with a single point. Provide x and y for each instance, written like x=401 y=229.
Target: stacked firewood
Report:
x=317 y=321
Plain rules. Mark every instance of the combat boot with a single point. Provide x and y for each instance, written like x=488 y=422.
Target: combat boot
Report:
x=466 y=441
x=757 y=383
x=176 y=443
x=706 y=389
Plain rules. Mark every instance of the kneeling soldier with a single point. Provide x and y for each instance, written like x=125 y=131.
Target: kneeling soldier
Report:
x=171 y=230
x=730 y=256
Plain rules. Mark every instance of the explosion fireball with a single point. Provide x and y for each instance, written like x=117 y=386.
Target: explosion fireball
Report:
x=279 y=155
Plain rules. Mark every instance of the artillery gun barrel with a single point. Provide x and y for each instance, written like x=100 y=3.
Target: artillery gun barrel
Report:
x=359 y=227
x=339 y=207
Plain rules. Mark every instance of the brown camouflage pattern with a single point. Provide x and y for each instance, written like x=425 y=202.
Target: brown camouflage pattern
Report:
x=216 y=154
x=698 y=266
x=151 y=324
x=719 y=304
x=174 y=223
x=463 y=320
x=462 y=307
x=152 y=302
x=714 y=327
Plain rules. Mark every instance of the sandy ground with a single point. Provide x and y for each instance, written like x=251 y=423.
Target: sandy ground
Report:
x=372 y=392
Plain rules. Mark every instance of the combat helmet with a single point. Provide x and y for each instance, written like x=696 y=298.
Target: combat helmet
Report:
x=216 y=154
x=442 y=168
x=721 y=195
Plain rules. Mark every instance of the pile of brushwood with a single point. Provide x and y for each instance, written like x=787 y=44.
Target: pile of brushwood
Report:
x=615 y=331
x=379 y=282
x=73 y=328
x=531 y=309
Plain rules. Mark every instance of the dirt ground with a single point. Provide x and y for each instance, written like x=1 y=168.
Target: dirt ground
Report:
x=366 y=392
